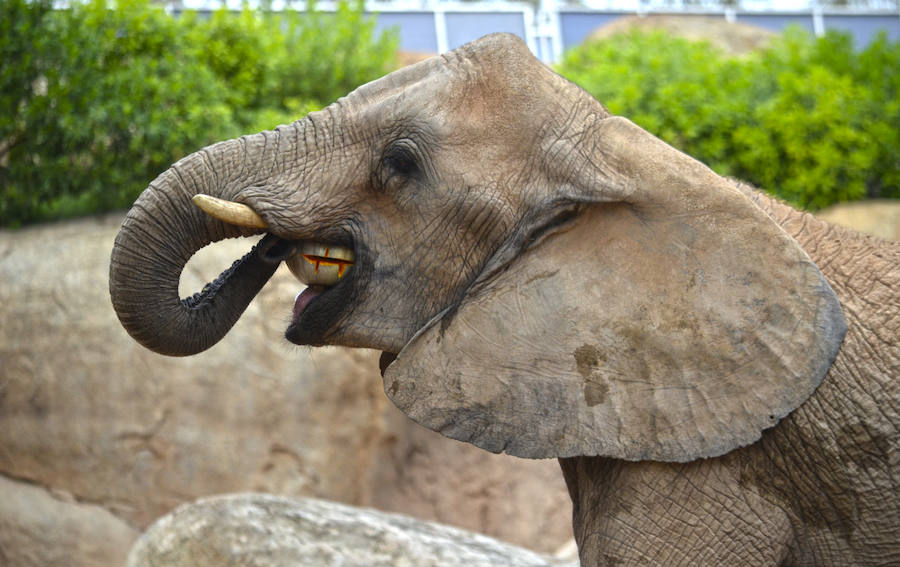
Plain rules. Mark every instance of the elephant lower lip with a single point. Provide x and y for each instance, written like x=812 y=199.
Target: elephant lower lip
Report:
x=304 y=298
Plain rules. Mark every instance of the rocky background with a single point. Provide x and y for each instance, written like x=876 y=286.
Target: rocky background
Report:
x=99 y=437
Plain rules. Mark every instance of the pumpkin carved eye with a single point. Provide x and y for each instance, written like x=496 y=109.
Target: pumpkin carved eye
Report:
x=318 y=264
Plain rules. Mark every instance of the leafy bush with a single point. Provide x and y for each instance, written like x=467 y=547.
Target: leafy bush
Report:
x=292 y=61
x=117 y=96
x=809 y=119
x=327 y=55
x=98 y=99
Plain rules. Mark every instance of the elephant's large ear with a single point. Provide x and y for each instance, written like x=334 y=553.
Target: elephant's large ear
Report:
x=673 y=320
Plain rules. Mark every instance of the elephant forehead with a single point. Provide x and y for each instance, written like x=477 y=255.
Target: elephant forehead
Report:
x=483 y=76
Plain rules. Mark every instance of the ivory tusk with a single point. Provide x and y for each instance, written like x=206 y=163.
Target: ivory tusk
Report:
x=228 y=211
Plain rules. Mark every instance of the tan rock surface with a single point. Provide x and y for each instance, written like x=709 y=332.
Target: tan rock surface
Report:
x=878 y=217
x=446 y=481
x=38 y=527
x=86 y=410
x=734 y=38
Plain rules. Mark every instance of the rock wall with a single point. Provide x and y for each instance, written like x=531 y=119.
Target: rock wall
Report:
x=878 y=217
x=733 y=38
x=40 y=527
x=92 y=423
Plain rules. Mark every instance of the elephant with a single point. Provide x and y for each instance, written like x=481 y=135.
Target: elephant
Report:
x=715 y=371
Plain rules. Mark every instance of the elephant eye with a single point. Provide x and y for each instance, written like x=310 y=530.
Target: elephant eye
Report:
x=400 y=159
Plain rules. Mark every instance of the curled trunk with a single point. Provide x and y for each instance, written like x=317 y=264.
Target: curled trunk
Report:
x=163 y=230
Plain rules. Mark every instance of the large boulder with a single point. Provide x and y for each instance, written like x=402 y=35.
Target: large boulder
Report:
x=86 y=411
x=40 y=527
x=247 y=530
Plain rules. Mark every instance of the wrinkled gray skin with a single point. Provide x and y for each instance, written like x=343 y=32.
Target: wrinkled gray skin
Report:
x=441 y=173
x=820 y=488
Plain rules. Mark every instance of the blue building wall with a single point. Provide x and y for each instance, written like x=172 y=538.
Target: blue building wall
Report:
x=463 y=27
x=417 y=32
x=864 y=28
x=577 y=26
x=548 y=34
x=419 y=29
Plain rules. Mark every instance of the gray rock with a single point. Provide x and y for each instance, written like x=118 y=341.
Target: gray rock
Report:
x=263 y=530
x=39 y=528
x=85 y=409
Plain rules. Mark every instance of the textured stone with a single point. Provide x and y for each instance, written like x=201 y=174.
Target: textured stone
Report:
x=879 y=218
x=40 y=528
x=428 y=476
x=87 y=409
x=247 y=530
x=734 y=38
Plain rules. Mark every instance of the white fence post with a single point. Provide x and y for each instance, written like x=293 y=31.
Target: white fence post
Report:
x=818 y=21
x=440 y=26
x=549 y=32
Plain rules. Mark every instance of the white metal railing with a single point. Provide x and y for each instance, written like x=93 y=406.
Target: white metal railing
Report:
x=636 y=6
x=541 y=23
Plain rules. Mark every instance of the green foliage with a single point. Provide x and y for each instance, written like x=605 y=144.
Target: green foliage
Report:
x=282 y=63
x=98 y=99
x=330 y=54
x=809 y=119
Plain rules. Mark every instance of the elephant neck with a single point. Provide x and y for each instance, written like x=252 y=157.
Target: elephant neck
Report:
x=851 y=422
x=587 y=479
x=823 y=241
x=672 y=514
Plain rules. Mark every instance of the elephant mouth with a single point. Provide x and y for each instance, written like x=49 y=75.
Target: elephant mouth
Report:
x=327 y=270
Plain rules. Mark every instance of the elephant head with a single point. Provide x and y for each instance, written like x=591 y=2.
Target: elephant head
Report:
x=553 y=280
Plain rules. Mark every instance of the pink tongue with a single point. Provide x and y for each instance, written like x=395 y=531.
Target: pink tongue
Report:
x=303 y=300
